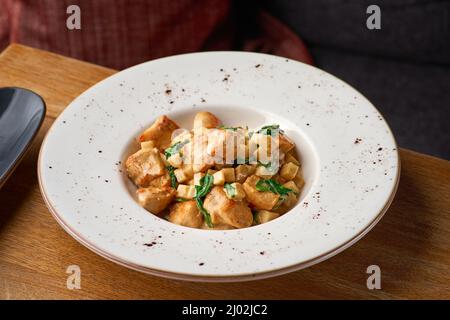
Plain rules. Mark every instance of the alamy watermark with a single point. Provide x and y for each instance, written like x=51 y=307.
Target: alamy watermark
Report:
x=374 y=280
x=373 y=22
x=73 y=21
x=74 y=279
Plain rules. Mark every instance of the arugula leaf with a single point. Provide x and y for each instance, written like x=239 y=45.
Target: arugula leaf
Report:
x=201 y=191
x=173 y=178
x=175 y=148
x=205 y=213
x=272 y=186
x=206 y=183
x=267 y=130
x=230 y=190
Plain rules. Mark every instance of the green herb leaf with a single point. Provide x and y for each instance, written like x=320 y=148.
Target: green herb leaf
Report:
x=204 y=212
x=181 y=199
x=230 y=190
x=206 y=183
x=173 y=178
x=201 y=191
x=272 y=186
x=267 y=130
x=175 y=148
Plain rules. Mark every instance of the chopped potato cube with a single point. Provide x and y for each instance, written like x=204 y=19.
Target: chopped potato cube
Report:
x=263 y=216
x=289 y=171
x=290 y=158
x=228 y=174
x=155 y=199
x=299 y=180
x=219 y=178
x=291 y=185
x=175 y=160
x=264 y=172
x=147 y=145
x=197 y=177
x=237 y=193
x=186 y=214
x=285 y=143
x=185 y=191
x=188 y=170
x=211 y=171
x=180 y=175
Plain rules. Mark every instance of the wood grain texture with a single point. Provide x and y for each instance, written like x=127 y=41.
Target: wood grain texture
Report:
x=410 y=244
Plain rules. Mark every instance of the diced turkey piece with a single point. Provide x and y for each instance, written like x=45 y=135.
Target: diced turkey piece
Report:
x=162 y=181
x=160 y=132
x=264 y=200
x=226 y=211
x=186 y=214
x=155 y=199
x=144 y=166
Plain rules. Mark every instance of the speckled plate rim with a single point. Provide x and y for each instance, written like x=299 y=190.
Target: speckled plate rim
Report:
x=238 y=277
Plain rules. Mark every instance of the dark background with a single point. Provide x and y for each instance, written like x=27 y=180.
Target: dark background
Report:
x=404 y=68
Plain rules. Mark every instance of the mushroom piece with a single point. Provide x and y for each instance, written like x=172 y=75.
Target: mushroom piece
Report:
x=204 y=119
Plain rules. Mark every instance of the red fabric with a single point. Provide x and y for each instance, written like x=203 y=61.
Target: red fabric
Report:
x=122 y=33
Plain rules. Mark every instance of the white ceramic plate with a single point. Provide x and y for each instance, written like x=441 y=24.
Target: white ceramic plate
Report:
x=350 y=163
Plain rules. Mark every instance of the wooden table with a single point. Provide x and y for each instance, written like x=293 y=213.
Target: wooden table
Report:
x=411 y=244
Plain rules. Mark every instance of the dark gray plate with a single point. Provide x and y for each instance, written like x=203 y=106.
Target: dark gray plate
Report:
x=21 y=114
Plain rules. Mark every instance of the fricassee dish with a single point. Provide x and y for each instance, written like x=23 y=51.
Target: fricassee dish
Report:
x=214 y=176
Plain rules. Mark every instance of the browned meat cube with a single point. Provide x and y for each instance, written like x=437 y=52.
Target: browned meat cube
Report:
x=160 y=132
x=144 y=166
x=155 y=199
x=227 y=211
x=186 y=214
